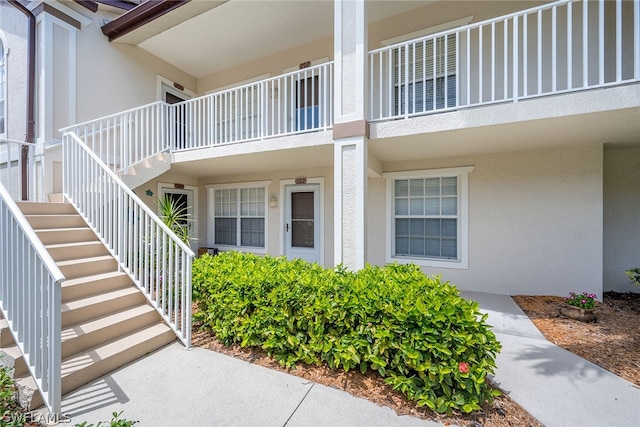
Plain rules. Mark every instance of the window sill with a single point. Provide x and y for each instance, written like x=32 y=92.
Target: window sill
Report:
x=434 y=263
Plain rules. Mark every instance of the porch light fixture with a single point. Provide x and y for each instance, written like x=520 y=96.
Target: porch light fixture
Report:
x=273 y=202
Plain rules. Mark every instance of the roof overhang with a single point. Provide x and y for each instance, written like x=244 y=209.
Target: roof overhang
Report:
x=152 y=17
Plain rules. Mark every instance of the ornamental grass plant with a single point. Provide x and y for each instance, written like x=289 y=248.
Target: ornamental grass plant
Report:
x=413 y=330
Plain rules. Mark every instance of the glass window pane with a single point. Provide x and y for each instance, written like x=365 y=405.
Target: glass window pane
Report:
x=416 y=246
x=449 y=248
x=402 y=188
x=432 y=247
x=433 y=227
x=302 y=205
x=433 y=206
x=402 y=246
x=402 y=227
x=302 y=235
x=433 y=186
x=449 y=206
x=416 y=227
x=416 y=187
x=402 y=206
x=417 y=206
x=449 y=227
x=225 y=231
x=450 y=186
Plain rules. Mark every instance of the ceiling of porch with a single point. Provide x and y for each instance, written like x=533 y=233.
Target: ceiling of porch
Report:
x=239 y=31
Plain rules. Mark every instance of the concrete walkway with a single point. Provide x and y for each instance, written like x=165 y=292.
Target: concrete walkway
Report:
x=554 y=385
x=175 y=387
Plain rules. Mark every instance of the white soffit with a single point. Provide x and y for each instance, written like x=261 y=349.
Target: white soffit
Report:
x=240 y=31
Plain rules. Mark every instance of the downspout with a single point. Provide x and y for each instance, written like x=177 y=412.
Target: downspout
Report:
x=31 y=83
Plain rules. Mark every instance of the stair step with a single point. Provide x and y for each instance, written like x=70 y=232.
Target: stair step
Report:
x=52 y=236
x=82 y=287
x=76 y=250
x=6 y=339
x=29 y=396
x=12 y=358
x=56 y=198
x=76 y=268
x=91 y=333
x=55 y=221
x=83 y=309
x=40 y=208
x=83 y=367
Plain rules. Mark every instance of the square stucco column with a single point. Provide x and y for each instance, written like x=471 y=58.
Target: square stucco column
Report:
x=350 y=132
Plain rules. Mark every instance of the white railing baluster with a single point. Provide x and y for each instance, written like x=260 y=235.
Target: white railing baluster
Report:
x=554 y=41
x=30 y=297
x=569 y=46
x=636 y=39
x=618 y=40
x=129 y=242
x=601 y=58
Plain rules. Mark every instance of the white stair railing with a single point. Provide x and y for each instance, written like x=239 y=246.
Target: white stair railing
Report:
x=127 y=138
x=30 y=299
x=158 y=262
x=296 y=102
x=554 y=48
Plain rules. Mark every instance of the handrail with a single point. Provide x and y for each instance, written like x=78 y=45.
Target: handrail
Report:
x=30 y=286
x=111 y=116
x=157 y=261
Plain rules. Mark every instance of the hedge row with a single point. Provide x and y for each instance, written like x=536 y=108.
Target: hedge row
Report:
x=415 y=331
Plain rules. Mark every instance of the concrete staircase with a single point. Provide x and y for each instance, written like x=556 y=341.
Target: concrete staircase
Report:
x=146 y=170
x=106 y=320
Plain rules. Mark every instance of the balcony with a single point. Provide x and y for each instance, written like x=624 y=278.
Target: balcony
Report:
x=557 y=48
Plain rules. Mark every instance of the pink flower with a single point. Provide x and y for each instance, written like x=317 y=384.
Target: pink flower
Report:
x=463 y=367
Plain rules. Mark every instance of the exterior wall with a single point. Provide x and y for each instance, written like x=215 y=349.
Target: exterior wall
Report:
x=14 y=27
x=273 y=65
x=535 y=221
x=273 y=227
x=114 y=77
x=621 y=216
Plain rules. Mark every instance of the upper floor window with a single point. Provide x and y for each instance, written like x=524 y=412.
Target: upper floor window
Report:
x=425 y=75
x=3 y=89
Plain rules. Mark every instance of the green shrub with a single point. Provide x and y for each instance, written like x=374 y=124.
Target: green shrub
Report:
x=417 y=332
x=634 y=276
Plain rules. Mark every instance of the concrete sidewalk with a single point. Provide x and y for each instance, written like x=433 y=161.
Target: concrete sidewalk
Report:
x=554 y=385
x=175 y=387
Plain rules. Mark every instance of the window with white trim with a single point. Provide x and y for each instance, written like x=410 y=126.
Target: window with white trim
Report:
x=426 y=71
x=3 y=89
x=427 y=216
x=238 y=216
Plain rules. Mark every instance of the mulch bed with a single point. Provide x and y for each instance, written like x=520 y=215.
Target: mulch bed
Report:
x=611 y=342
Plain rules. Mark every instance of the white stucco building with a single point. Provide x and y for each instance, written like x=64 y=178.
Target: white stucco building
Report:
x=312 y=128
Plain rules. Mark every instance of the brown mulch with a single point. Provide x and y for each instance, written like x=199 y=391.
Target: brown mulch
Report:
x=611 y=342
x=502 y=413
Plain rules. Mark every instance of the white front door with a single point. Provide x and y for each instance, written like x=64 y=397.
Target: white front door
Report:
x=302 y=222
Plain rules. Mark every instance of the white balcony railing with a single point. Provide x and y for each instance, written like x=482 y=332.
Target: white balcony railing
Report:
x=127 y=138
x=30 y=299
x=158 y=262
x=296 y=102
x=555 y=48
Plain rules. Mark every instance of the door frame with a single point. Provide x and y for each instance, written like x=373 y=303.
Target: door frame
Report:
x=284 y=183
x=166 y=187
